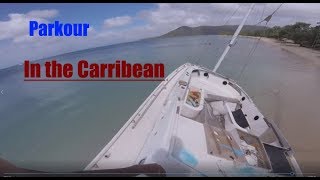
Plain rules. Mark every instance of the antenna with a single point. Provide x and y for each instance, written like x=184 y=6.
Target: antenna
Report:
x=234 y=37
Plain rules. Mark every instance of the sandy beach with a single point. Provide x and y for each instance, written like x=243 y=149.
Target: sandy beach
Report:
x=313 y=56
x=302 y=88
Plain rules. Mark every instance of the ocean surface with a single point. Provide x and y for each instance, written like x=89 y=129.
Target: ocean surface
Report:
x=61 y=126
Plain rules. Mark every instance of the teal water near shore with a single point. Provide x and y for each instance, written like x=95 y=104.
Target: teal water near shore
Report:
x=61 y=126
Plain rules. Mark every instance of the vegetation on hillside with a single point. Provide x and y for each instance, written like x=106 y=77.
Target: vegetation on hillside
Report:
x=300 y=33
x=209 y=30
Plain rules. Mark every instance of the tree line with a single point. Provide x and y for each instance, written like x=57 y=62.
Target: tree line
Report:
x=300 y=33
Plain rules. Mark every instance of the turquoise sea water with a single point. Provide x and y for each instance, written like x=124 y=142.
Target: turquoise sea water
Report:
x=61 y=126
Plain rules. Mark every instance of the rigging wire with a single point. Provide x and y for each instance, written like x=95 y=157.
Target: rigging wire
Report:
x=208 y=41
x=235 y=11
x=268 y=18
x=316 y=39
x=250 y=55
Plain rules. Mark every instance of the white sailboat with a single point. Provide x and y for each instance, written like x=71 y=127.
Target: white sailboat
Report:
x=200 y=123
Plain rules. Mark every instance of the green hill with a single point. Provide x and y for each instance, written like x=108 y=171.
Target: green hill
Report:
x=209 y=30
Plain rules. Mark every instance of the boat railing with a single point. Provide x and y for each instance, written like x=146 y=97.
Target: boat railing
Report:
x=143 y=109
x=283 y=141
x=136 y=117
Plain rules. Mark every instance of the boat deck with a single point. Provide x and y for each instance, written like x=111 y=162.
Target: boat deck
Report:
x=194 y=123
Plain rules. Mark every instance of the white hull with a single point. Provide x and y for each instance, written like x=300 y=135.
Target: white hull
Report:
x=208 y=137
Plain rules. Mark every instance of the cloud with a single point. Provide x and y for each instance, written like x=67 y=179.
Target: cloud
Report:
x=290 y=13
x=117 y=21
x=18 y=24
x=43 y=13
x=194 y=14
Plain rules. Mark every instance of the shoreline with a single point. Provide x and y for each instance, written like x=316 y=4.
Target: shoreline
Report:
x=308 y=54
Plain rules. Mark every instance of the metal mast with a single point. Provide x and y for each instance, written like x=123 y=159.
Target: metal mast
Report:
x=234 y=37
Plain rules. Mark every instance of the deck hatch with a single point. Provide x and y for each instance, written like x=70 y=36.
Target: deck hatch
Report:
x=278 y=159
x=240 y=118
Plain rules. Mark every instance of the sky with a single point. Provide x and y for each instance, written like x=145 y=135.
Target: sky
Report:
x=116 y=23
